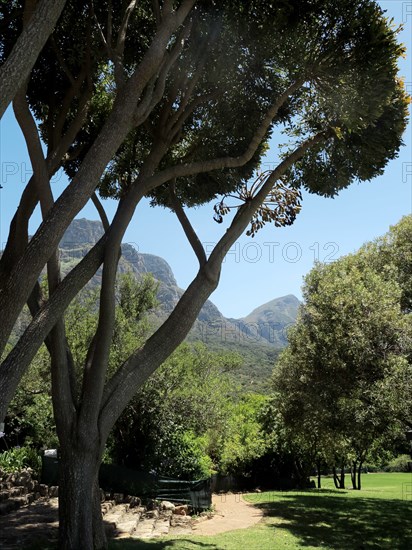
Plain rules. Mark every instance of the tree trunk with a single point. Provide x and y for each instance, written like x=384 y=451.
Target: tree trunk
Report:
x=335 y=478
x=319 y=474
x=342 y=477
x=359 y=475
x=81 y=523
x=353 y=475
x=299 y=473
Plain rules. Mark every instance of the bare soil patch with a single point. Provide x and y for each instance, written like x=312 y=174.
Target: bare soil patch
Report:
x=231 y=512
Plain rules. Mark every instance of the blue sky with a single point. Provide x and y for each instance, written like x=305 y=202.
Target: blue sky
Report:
x=274 y=262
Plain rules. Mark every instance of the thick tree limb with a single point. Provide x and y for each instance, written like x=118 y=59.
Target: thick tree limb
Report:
x=18 y=233
x=57 y=344
x=25 y=52
x=101 y=211
x=16 y=363
x=121 y=38
x=97 y=361
x=156 y=88
x=23 y=276
x=187 y=228
x=141 y=364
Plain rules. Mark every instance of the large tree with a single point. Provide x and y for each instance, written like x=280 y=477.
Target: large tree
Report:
x=177 y=101
x=351 y=342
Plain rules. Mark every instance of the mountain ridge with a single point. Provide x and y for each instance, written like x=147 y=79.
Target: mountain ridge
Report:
x=258 y=337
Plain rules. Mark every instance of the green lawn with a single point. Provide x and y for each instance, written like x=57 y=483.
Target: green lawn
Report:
x=379 y=516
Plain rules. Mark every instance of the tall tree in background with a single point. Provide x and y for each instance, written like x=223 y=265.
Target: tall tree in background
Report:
x=177 y=101
x=352 y=340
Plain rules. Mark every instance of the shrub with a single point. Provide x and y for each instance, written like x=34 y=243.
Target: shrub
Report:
x=398 y=464
x=19 y=458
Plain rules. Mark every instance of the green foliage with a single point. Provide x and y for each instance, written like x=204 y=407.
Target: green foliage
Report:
x=244 y=441
x=30 y=415
x=399 y=464
x=175 y=423
x=185 y=456
x=243 y=56
x=18 y=458
x=340 y=385
x=135 y=297
x=391 y=255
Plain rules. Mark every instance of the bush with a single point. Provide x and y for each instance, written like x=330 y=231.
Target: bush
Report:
x=185 y=457
x=19 y=458
x=398 y=464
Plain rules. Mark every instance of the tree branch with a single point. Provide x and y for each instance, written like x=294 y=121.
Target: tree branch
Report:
x=156 y=11
x=144 y=361
x=121 y=39
x=101 y=211
x=16 y=363
x=97 y=360
x=24 y=274
x=187 y=228
x=62 y=62
x=57 y=344
x=190 y=169
x=17 y=67
x=155 y=90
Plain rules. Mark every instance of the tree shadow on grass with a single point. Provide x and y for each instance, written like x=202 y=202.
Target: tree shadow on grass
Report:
x=336 y=522
x=160 y=544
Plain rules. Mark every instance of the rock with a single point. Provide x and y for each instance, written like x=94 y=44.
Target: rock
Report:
x=30 y=485
x=43 y=490
x=17 y=491
x=118 y=498
x=23 y=478
x=53 y=492
x=180 y=520
x=152 y=504
x=152 y=514
x=166 y=505
x=134 y=502
x=181 y=510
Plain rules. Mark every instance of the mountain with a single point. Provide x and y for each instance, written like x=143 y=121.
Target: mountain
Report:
x=271 y=320
x=258 y=337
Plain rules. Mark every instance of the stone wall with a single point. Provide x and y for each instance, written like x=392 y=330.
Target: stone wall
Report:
x=21 y=488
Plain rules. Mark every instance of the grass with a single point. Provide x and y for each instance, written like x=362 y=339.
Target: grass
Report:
x=377 y=517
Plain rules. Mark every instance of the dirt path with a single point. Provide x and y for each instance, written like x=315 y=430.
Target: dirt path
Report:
x=232 y=512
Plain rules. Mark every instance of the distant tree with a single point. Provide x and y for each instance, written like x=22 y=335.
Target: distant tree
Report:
x=243 y=440
x=177 y=101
